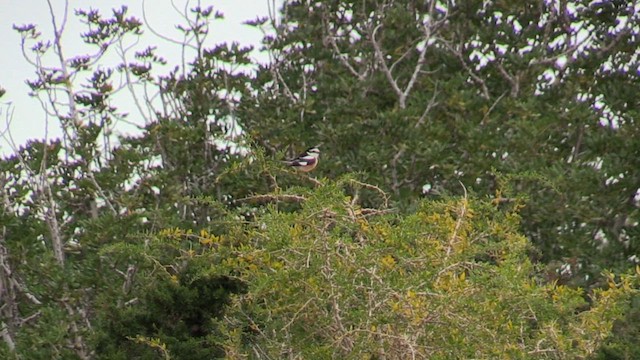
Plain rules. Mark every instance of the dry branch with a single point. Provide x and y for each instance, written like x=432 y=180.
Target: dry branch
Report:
x=262 y=199
x=462 y=211
x=383 y=194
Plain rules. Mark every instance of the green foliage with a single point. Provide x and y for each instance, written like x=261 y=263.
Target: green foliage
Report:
x=502 y=90
x=625 y=333
x=175 y=299
x=451 y=280
x=186 y=241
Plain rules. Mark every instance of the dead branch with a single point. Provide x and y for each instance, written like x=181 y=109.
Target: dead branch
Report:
x=77 y=342
x=295 y=316
x=462 y=211
x=383 y=195
x=373 y=212
x=101 y=192
x=315 y=182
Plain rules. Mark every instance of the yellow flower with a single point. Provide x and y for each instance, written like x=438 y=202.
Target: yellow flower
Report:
x=388 y=262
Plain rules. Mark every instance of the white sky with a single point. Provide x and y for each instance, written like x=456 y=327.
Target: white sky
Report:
x=29 y=119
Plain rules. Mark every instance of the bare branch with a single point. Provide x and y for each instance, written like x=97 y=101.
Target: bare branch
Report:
x=462 y=211
x=512 y=79
x=394 y=170
x=57 y=40
x=262 y=199
x=577 y=147
x=432 y=103
x=472 y=74
x=385 y=69
x=7 y=337
x=77 y=344
x=280 y=80
x=419 y=64
x=384 y=195
x=52 y=221
x=10 y=286
x=131 y=272
x=129 y=83
x=486 y=115
x=341 y=57
x=428 y=28
x=293 y=318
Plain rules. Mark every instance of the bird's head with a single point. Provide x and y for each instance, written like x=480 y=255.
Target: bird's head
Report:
x=314 y=151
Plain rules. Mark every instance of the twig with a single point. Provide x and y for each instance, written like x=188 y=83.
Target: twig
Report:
x=100 y=191
x=316 y=182
x=373 y=212
x=419 y=64
x=261 y=199
x=131 y=272
x=486 y=115
x=512 y=79
x=474 y=76
x=576 y=147
x=384 y=195
x=432 y=103
x=343 y=59
x=286 y=326
x=33 y=316
x=464 y=264
x=394 y=170
x=461 y=214
x=129 y=83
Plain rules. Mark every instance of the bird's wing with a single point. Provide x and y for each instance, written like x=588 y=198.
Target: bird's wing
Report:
x=303 y=161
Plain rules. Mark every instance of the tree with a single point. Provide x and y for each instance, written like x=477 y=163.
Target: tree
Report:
x=185 y=241
x=518 y=99
x=451 y=280
x=67 y=201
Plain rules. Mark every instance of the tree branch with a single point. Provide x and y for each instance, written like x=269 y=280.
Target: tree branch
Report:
x=385 y=69
x=461 y=215
x=262 y=199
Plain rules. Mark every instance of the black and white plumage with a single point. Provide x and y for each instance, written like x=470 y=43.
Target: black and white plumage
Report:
x=306 y=161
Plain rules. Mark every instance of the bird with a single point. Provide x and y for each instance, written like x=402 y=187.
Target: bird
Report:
x=306 y=161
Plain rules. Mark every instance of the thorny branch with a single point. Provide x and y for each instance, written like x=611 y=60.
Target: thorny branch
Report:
x=344 y=343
